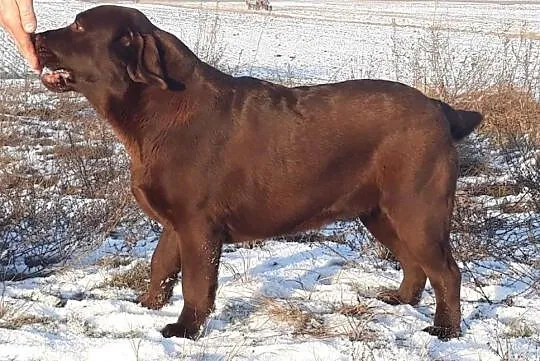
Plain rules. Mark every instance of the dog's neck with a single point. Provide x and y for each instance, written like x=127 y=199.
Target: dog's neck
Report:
x=136 y=113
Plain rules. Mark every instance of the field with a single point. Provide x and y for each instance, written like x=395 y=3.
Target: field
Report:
x=74 y=249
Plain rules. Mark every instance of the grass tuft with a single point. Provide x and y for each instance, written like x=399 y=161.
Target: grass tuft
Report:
x=136 y=278
x=301 y=320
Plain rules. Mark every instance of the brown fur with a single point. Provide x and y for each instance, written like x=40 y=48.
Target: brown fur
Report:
x=219 y=159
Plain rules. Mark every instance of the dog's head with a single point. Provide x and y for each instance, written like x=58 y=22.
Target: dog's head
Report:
x=105 y=46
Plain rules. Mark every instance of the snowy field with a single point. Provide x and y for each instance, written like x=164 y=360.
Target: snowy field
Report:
x=282 y=300
x=320 y=41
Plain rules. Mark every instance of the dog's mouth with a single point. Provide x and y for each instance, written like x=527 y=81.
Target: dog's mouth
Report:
x=56 y=79
x=53 y=76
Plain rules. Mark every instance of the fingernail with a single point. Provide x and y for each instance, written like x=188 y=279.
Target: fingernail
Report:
x=29 y=27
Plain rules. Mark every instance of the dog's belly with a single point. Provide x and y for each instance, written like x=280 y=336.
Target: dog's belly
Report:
x=273 y=219
x=244 y=230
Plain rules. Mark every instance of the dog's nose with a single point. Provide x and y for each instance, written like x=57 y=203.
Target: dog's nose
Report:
x=35 y=38
x=38 y=39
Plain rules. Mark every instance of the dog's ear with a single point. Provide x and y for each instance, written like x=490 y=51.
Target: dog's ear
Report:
x=145 y=64
x=178 y=60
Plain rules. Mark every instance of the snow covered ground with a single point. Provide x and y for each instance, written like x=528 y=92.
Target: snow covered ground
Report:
x=283 y=300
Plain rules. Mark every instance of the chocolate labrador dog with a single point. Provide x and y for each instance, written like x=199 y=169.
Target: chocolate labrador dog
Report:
x=219 y=159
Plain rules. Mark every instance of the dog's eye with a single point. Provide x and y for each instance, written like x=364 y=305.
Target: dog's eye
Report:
x=125 y=41
x=77 y=27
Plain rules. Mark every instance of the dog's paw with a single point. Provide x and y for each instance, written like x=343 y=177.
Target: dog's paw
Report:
x=393 y=297
x=443 y=333
x=389 y=296
x=178 y=330
x=152 y=301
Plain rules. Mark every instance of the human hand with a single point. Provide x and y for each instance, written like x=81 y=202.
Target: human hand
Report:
x=18 y=18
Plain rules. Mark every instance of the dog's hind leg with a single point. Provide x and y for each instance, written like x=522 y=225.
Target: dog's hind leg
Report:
x=414 y=278
x=164 y=270
x=427 y=239
x=432 y=250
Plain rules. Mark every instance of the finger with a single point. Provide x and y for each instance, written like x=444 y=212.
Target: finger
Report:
x=8 y=10
x=10 y=19
x=28 y=17
x=22 y=39
x=30 y=54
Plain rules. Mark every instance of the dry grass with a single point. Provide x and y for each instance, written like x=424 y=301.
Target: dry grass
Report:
x=136 y=278
x=113 y=261
x=89 y=167
x=383 y=253
x=504 y=341
x=353 y=324
x=496 y=217
x=493 y=190
x=519 y=328
x=23 y=320
x=312 y=237
x=357 y=320
x=13 y=315
x=301 y=320
x=354 y=311
x=99 y=151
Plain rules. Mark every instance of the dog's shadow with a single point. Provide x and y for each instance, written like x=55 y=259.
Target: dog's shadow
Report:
x=280 y=279
x=277 y=283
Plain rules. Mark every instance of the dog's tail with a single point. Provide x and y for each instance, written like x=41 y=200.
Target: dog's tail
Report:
x=462 y=122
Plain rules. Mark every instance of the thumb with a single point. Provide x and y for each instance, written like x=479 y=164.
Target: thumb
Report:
x=28 y=17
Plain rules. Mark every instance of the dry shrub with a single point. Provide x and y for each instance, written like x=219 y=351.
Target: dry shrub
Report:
x=506 y=229
x=507 y=110
x=209 y=45
x=86 y=193
x=496 y=224
x=64 y=185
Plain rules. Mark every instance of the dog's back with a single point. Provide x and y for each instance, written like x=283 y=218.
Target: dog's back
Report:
x=291 y=159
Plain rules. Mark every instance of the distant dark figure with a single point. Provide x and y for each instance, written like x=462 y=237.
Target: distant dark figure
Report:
x=258 y=5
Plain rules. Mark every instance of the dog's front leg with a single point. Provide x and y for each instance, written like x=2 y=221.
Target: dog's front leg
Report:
x=164 y=270
x=200 y=250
